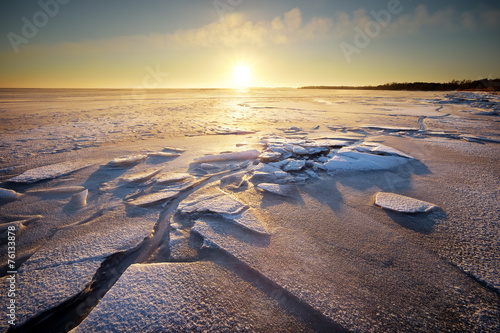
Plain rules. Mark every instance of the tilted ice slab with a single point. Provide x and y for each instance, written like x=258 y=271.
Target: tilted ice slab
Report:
x=219 y=203
x=67 y=263
x=401 y=203
x=172 y=178
x=283 y=190
x=366 y=158
x=154 y=198
x=40 y=290
x=127 y=160
x=185 y=297
x=240 y=155
x=50 y=171
x=6 y=194
x=141 y=176
x=57 y=190
x=377 y=149
x=247 y=220
x=163 y=154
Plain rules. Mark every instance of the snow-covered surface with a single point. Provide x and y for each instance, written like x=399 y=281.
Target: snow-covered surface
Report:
x=194 y=297
x=49 y=171
x=219 y=203
x=401 y=203
x=321 y=258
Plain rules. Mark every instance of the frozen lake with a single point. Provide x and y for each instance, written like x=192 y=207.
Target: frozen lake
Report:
x=258 y=210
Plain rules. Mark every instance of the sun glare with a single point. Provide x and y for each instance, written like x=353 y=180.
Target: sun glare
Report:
x=241 y=75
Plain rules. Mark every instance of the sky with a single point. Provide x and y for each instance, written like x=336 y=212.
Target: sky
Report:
x=280 y=43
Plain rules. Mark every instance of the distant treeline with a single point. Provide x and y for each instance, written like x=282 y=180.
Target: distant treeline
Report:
x=484 y=84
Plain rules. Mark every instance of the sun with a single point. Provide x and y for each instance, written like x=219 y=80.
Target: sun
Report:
x=241 y=75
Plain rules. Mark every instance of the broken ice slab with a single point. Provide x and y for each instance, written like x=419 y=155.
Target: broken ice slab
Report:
x=376 y=148
x=327 y=143
x=234 y=181
x=402 y=204
x=294 y=165
x=240 y=155
x=57 y=190
x=186 y=297
x=79 y=200
x=391 y=128
x=163 y=154
x=279 y=189
x=167 y=178
x=267 y=157
x=349 y=160
x=247 y=220
x=40 y=290
x=50 y=171
x=219 y=203
x=237 y=131
x=154 y=198
x=8 y=195
x=178 y=150
x=141 y=176
x=127 y=160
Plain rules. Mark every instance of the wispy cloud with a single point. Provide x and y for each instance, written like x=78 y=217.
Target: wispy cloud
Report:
x=235 y=30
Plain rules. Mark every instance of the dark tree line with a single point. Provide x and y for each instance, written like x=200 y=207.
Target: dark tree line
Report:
x=484 y=84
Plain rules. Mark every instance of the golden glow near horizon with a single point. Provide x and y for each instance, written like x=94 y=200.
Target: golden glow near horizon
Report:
x=242 y=75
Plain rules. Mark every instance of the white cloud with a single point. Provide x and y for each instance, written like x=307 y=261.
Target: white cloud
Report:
x=235 y=30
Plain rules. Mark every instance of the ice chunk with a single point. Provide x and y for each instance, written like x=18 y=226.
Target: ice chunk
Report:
x=141 y=176
x=401 y=203
x=237 y=131
x=356 y=161
x=7 y=195
x=376 y=148
x=294 y=165
x=329 y=143
x=283 y=190
x=234 y=181
x=154 y=198
x=312 y=174
x=50 y=171
x=240 y=155
x=79 y=200
x=178 y=150
x=270 y=157
x=127 y=160
x=219 y=203
x=268 y=168
x=299 y=150
x=258 y=177
x=171 y=178
x=57 y=190
x=207 y=166
x=248 y=221
x=164 y=154
x=282 y=174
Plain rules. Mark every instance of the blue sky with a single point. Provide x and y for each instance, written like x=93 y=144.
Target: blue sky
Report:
x=194 y=43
